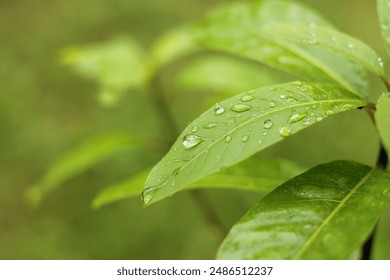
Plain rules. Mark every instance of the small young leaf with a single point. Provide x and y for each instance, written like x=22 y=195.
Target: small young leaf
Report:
x=329 y=40
x=384 y=20
x=241 y=126
x=80 y=159
x=116 y=65
x=253 y=174
x=382 y=118
x=325 y=213
x=237 y=29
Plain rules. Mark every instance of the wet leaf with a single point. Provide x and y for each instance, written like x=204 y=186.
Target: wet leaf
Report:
x=253 y=174
x=325 y=213
x=382 y=118
x=329 y=40
x=80 y=159
x=384 y=20
x=237 y=29
x=240 y=126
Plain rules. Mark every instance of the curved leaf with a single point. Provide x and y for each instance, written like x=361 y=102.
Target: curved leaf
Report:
x=382 y=119
x=241 y=126
x=329 y=40
x=237 y=30
x=116 y=65
x=325 y=213
x=252 y=174
x=80 y=159
x=384 y=20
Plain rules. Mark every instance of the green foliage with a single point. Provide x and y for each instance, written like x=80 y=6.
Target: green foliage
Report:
x=241 y=126
x=325 y=213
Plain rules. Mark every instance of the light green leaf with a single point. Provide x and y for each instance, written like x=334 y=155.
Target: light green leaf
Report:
x=382 y=119
x=384 y=20
x=325 y=213
x=241 y=126
x=80 y=159
x=116 y=66
x=171 y=46
x=328 y=40
x=127 y=189
x=381 y=248
x=222 y=74
x=237 y=29
x=253 y=174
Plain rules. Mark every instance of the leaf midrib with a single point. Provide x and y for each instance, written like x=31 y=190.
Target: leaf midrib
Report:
x=253 y=120
x=342 y=203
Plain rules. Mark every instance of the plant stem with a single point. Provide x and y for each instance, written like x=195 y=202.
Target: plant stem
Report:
x=200 y=197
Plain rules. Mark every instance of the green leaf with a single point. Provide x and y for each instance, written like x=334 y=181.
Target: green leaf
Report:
x=80 y=159
x=325 y=213
x=171 y=46
x=241 y=126
x=222 y=74
x=384 y=20
x=381 y=247
x=382 y=119
x=116 y=66
x=328 y=40
x=127 y=189
x=253 y=174
x=237 y=30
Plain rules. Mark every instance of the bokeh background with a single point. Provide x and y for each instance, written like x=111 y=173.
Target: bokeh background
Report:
x=46 y=109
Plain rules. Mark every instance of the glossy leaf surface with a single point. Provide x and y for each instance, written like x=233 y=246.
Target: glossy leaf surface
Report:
x=382 y=118
x=253 y=174
x=238 y=30
x=325 y=213
x=240 y=126
x=384 y=20
x=80 y=159
x=330 y=40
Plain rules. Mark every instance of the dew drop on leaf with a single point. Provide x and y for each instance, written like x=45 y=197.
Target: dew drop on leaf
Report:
x=297 y=83
x=195 y=129
x=284 y=131
x=246 y=98
x=219 y=109
x=148 y=194
x=228 y=138
x=282 y=96
x=330 y=113
x=238 y=108
x=210 y=125
x=245 y=138
x=319 y=118
x=268 y=124
x=272 y=104
x=297 y=117
x=350 y=46
x=191 y=140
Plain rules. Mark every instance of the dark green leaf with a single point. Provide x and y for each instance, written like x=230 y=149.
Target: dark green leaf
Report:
x=382 y=118
x=325 y=213
x=80 y=159
x=237 y=30
x=329 y=40
x=241 y=126
x=384 y=20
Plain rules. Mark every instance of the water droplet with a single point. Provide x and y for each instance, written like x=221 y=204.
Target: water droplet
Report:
x=268 y=124
x=306 y=122
x=210 y=125
x=329 y=112
x=246 y=98
x=191 y=140
x=272 y=104
x=176 y=171
x=219 y=109
x=380 y=61
x=350 y=46
x=265 y=132
x=259 y=142
x=251 y=91
x=174 y=148
x=195 y=129
x=245 y=138
x=148 y=194
x=282 y=96
x=297 y=83
x=297 y=117
x=291 y=100
x=241 y=108
x=284 y=131
x=319 y=118
x=228 y=138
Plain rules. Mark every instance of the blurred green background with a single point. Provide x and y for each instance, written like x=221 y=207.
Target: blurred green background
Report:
x=46 y=109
